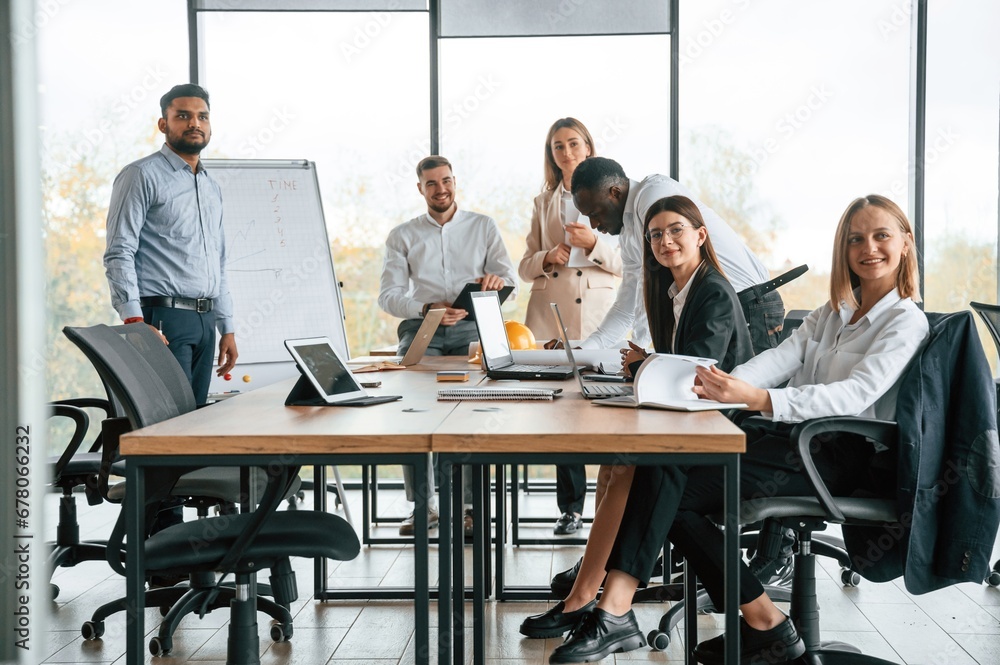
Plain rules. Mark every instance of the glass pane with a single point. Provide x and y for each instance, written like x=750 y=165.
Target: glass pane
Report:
x=525 y=18
x=963 y=114
x=102 y=68
x=495 y=117
x=789 y=111
x=347 y=91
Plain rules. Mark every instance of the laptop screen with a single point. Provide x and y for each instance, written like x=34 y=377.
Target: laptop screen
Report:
x=566 y=345
x=492 y=334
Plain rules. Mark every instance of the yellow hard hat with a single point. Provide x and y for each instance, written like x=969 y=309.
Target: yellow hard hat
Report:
x=519 y=336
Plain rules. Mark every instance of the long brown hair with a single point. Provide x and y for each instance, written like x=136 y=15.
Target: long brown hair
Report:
x=843 y=280
x=658 y=279
x=553 y=174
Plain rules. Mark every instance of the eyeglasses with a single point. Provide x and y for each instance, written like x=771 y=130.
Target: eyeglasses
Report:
x=655 y=236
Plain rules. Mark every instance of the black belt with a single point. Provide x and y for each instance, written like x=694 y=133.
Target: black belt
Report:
x=757 y=290
x=200 y=305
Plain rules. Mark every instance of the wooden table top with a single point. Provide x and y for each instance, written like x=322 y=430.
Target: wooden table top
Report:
x=257 y=422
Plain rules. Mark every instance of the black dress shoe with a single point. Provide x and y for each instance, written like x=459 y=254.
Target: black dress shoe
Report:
x=599 y=634
x=562 y=583
x=555 y=622
x=567 y=524
x=777 y=645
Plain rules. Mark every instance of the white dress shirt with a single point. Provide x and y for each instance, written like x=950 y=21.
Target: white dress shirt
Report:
x=677 y=299
x=742 y=267
x=426 y=262
x=836 y=368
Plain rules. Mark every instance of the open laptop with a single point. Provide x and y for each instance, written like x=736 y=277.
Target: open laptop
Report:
x=590 y=391
x=325 y=379
x=496 y=347
x=425 y=333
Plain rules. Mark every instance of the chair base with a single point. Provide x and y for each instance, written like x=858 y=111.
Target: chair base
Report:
x=840 y=653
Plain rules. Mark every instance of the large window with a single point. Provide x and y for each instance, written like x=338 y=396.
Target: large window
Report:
x=102 y=69
x=790 y=110
x=349 y=91
x=963 y=114
x=500 y=96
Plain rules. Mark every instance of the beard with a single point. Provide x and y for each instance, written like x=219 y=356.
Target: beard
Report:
x=443 y=206
x=188 y=146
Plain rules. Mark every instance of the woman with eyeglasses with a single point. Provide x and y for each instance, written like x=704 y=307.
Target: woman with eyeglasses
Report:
x=846 y=359
x=692 y=310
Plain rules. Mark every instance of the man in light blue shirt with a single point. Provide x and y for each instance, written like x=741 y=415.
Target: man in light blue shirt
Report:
x=166 y=252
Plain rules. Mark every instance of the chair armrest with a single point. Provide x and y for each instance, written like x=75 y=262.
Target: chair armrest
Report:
x=91 y=403
x=884 y=431
x=81 y=424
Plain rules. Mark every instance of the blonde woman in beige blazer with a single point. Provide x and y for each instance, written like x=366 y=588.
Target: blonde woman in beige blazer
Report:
x=567 y=264
x=583 y=292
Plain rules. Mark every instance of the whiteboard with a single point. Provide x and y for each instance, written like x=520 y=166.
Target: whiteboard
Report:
x=278 y=264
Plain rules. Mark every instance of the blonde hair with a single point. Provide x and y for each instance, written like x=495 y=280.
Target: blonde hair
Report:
x=553 y=174
x=843 y=280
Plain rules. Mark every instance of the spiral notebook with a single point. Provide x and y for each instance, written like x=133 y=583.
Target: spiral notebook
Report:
x=497 y=394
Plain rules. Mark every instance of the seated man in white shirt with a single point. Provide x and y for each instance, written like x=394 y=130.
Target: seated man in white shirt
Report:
x=617 y=205
x=428 y=260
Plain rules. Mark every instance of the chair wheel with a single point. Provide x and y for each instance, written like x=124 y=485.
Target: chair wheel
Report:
x=281 y=632
x=658 y=640
x=92 y=630
x=53 y=591
x=160 y=646
x=164 y=609
x=993 y=579
x=849 y=578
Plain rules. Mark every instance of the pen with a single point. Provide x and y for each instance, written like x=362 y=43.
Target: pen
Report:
x=160 y=328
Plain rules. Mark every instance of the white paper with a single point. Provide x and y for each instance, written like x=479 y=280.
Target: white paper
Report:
x=577 y=255
x=665 y=381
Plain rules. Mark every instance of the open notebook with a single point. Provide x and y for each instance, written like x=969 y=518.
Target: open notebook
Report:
x=664 y=381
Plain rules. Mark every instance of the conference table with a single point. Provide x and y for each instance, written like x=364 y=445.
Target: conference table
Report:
x=255 y=428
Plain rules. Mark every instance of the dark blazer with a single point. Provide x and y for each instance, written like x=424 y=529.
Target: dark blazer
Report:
x=712 y=323
x=948 y=487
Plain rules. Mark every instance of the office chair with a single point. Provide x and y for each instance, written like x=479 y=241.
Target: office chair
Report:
x=990 y=315
x=146 y=379
x=807 y=514
x=70 y=470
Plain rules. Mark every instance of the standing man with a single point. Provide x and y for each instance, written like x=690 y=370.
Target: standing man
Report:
x=617 y=206
x=428 y=260
x=166 y=251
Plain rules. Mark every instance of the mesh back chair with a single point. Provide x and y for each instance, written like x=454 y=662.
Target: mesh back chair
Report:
x=807 y=514
x=991 y=317
x=145 y=378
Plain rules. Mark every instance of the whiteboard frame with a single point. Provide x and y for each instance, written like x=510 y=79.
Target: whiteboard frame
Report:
x=264 y=373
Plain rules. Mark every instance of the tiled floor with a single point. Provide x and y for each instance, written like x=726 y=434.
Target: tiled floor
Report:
x=954 y=625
